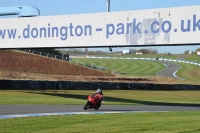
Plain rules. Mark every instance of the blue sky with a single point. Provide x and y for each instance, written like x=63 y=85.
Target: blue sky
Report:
x=61 y=7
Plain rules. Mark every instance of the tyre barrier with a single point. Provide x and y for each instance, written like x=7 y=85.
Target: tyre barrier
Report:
x=74 y=85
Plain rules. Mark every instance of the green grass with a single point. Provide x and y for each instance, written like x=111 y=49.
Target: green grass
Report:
x=141 y=67
x=168 y=122
x=112 y=97
x=189 y=72
x=125 y=67
x=193 y=57
x=144 y=56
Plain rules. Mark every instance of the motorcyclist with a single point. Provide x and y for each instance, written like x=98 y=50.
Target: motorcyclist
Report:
x=99 y=95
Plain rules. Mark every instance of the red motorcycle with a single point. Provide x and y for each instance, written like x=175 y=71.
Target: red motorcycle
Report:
x=93 y=102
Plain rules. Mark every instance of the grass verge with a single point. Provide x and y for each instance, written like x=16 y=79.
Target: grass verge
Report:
x=168 y=122
x=189 y=72
x=125 y=67
x=112 y=97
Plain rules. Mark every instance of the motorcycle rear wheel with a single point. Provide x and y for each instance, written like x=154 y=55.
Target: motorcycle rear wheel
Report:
x=86 y=106
x=98 y=106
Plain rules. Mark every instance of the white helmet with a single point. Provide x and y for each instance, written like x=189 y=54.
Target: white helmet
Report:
x=99 y=91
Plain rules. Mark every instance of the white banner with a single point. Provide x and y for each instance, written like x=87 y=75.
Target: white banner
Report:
x=198 y=52
x=180 y=25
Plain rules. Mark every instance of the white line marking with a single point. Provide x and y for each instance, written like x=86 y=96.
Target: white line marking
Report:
x=67 y=113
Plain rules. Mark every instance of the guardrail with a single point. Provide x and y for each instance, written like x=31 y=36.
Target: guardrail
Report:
x=99 y=68
x=59 y=57
x=91 y=66
x=183 y=61
x=67 y=58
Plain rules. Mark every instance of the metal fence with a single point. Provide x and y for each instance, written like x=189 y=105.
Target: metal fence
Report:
x=91 y=66
x=65 y=57
x=59 y=57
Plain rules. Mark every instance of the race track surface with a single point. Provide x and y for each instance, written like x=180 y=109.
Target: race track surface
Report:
x=28 y=109
x=170 y=71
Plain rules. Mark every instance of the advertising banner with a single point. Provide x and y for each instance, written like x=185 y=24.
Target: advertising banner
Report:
x=166 y=26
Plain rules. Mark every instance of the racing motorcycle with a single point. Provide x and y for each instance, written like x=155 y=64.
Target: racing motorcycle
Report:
x=93 y=102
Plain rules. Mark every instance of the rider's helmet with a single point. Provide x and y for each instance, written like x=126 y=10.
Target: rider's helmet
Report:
x=99 y=91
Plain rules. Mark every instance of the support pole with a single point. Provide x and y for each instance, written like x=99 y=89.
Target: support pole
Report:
x=108 y=5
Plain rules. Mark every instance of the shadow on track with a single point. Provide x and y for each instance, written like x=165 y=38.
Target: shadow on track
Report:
x=114 y=99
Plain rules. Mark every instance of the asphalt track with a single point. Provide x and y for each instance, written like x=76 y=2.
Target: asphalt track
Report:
x=29 y=109
x=170 y=71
